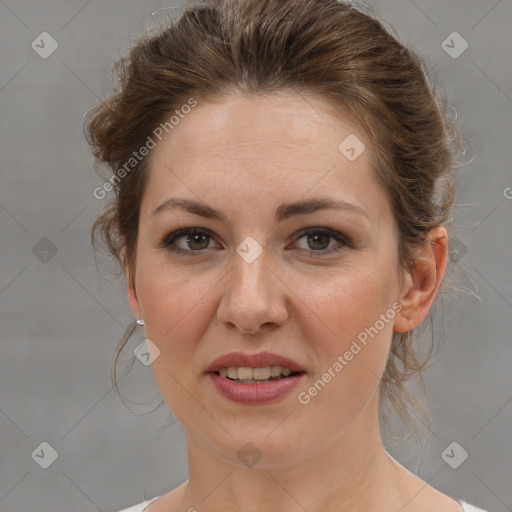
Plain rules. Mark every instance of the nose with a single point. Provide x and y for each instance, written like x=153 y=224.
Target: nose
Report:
x=254 y=297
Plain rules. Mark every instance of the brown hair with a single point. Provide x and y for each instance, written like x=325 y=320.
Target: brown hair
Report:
x=337 y=50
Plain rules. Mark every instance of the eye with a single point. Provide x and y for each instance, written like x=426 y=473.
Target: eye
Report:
x=187 y=240
x=195 y=240
x=319 y=239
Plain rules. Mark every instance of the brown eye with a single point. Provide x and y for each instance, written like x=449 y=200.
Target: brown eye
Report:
x=196 y=241
x=318 y=241
x=189 y=240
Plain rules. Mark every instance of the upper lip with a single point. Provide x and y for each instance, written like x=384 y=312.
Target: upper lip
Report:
x=259 y=360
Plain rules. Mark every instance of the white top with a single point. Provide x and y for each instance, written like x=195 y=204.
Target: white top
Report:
x=466 y=507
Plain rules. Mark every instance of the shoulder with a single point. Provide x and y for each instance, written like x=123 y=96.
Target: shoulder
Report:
x=471 y=508
x=139 y=507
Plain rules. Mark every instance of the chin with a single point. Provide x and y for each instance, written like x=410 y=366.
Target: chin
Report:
x=261 y=448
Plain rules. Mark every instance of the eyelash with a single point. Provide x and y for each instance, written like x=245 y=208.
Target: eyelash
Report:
x=176 y=235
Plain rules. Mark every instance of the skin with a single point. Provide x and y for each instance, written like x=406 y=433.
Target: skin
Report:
x=326 y=455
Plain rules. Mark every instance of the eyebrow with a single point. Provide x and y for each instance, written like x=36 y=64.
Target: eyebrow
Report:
x=283 y=212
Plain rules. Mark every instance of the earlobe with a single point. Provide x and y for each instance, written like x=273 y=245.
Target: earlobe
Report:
x=422 y=284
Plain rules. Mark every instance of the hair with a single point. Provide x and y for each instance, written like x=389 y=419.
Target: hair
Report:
x=333 y=49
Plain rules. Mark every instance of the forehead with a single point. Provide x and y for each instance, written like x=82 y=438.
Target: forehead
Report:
x=282 y=146
x=276 y=123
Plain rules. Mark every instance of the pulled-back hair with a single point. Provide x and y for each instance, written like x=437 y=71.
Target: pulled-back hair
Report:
x=329 y=48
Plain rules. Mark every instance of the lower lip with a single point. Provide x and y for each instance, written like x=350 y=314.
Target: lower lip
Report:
x=255 y=393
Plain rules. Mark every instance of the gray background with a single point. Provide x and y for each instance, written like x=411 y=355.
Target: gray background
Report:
x=60 y=322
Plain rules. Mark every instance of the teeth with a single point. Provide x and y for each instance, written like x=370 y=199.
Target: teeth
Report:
x=247 y=373
x=244 y=373
x=257 y=373
x=275 y=371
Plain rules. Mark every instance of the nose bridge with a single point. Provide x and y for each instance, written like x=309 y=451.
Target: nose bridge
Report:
x=251 y=268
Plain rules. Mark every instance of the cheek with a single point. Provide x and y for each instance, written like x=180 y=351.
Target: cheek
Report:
x=346 y=303
x=176 y=307
x=352 y=349
x=348 y=337
x=177 y=313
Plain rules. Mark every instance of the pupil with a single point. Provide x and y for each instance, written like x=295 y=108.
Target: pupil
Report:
x=324 y=235
x=191 y=239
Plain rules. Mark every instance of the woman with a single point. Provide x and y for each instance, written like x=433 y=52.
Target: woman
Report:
x=281 y=172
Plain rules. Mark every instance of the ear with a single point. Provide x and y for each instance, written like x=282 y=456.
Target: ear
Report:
x=420 y=288
x=131 y=294
x=133 y=300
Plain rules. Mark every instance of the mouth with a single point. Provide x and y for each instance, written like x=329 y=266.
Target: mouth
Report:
x=256 y=376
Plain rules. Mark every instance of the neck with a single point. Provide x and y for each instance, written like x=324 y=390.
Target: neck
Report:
x=352 y=472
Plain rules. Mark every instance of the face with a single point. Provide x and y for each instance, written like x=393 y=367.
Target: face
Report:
x=311 y=285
